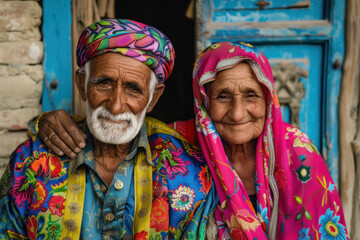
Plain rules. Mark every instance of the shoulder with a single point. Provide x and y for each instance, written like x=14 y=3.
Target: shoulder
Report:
x=180 y=172
x=303 y=155
x=166 y=146
x=34 y=168
x=32 y=150
x=155 y=126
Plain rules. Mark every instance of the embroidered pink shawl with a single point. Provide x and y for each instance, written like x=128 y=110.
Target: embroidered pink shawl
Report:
x=296 y=197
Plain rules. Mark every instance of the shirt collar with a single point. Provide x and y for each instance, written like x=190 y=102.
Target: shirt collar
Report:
x=86 y=156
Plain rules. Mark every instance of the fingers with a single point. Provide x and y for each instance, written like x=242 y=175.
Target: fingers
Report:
x=62 y=141
x=75 y=134
x=44 y=137
x=61 y=134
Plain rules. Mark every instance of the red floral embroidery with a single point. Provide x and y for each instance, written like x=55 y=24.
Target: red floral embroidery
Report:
x=56 y=166
x=47 y=162
x=159 y=189
x=40 y=195
x=280 y=177
x=205 y=179
x=141 y=236
x=31 y=227
x=236 y=233
x=56 y=205
x=159 y=215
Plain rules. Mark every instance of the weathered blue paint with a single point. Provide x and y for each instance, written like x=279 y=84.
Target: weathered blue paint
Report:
x=308 y=57
x=251 y=4
x=336 y=50
x=57 y=55
x=234 y=33
x=279 y=10
x=312 y=38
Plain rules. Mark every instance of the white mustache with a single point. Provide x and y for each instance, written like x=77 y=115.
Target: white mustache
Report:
x=103 y=112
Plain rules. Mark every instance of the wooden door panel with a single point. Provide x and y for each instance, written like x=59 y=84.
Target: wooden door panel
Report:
x=279 y=10
x=255 y=4
x=308 y=57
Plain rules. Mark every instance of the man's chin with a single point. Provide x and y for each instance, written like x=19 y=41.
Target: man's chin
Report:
x=115 y=135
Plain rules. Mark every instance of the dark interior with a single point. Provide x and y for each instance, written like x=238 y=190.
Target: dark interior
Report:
x=169 y=17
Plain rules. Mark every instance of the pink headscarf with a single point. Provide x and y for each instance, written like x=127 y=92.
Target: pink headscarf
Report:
x=296 y=197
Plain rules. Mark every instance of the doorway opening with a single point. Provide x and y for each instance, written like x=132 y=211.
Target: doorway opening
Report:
x=176 y=103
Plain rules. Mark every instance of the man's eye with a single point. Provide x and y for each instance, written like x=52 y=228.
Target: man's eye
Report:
x=103 y=82
x=134 y=87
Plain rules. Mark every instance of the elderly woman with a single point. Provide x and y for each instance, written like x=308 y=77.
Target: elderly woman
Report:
x=256 y=159
x=271 y=180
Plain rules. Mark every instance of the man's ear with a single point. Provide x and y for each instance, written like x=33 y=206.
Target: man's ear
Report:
x=156 y=95
x=80 y=83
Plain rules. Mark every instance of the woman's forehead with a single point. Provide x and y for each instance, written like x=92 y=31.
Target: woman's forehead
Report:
x=240 y=76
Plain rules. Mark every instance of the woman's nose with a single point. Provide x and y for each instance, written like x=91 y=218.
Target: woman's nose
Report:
x=117 y=102
x=236 y=109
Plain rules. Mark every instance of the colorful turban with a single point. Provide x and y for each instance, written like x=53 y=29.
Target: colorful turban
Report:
x=129 y=38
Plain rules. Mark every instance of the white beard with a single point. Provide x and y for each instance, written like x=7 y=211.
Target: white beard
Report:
x=110 y=132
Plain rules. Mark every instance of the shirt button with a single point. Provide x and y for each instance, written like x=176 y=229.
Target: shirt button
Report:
x=103 y=188
x=119 y=185
x=109 y=217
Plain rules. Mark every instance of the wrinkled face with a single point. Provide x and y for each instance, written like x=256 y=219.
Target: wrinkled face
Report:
x=117 y=96
x=237 y=104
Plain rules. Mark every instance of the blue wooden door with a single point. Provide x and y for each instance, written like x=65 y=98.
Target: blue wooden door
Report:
x=56 y=29
x=304 y=42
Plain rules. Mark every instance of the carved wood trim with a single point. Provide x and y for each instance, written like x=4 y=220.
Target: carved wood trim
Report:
x=289 y=88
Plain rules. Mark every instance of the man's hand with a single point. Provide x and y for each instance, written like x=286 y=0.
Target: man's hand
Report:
x=61 y=133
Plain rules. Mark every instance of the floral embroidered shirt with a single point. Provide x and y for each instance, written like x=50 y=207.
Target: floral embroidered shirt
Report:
x=109 y=210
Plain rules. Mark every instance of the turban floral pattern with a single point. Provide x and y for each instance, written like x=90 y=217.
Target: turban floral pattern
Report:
x=129 y=38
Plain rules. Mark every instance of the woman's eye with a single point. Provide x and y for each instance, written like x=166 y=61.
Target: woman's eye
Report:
x=222 y=96
x=251 y=94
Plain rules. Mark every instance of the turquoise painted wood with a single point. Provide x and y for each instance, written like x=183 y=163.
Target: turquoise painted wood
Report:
x=307 y=33
x=57 y=88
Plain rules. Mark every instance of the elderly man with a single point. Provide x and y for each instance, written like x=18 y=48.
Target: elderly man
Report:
x=136 y=178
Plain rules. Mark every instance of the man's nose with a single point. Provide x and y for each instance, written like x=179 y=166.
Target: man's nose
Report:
x=117 y=102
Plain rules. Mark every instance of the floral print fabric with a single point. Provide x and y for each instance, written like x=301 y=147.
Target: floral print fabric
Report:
x=129 y=38
x=183 y=196
x=296 y=197
x=34 y=206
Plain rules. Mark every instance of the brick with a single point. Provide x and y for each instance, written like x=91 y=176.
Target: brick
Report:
x=19 y=91
x=9 y=70
x=35 y=72
x=21 y=52
x=28 y=35
x=17 y=119
x=19 y=15
x=10 y=140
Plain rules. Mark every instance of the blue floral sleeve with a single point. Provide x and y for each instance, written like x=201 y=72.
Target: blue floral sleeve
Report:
x=12 y=223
